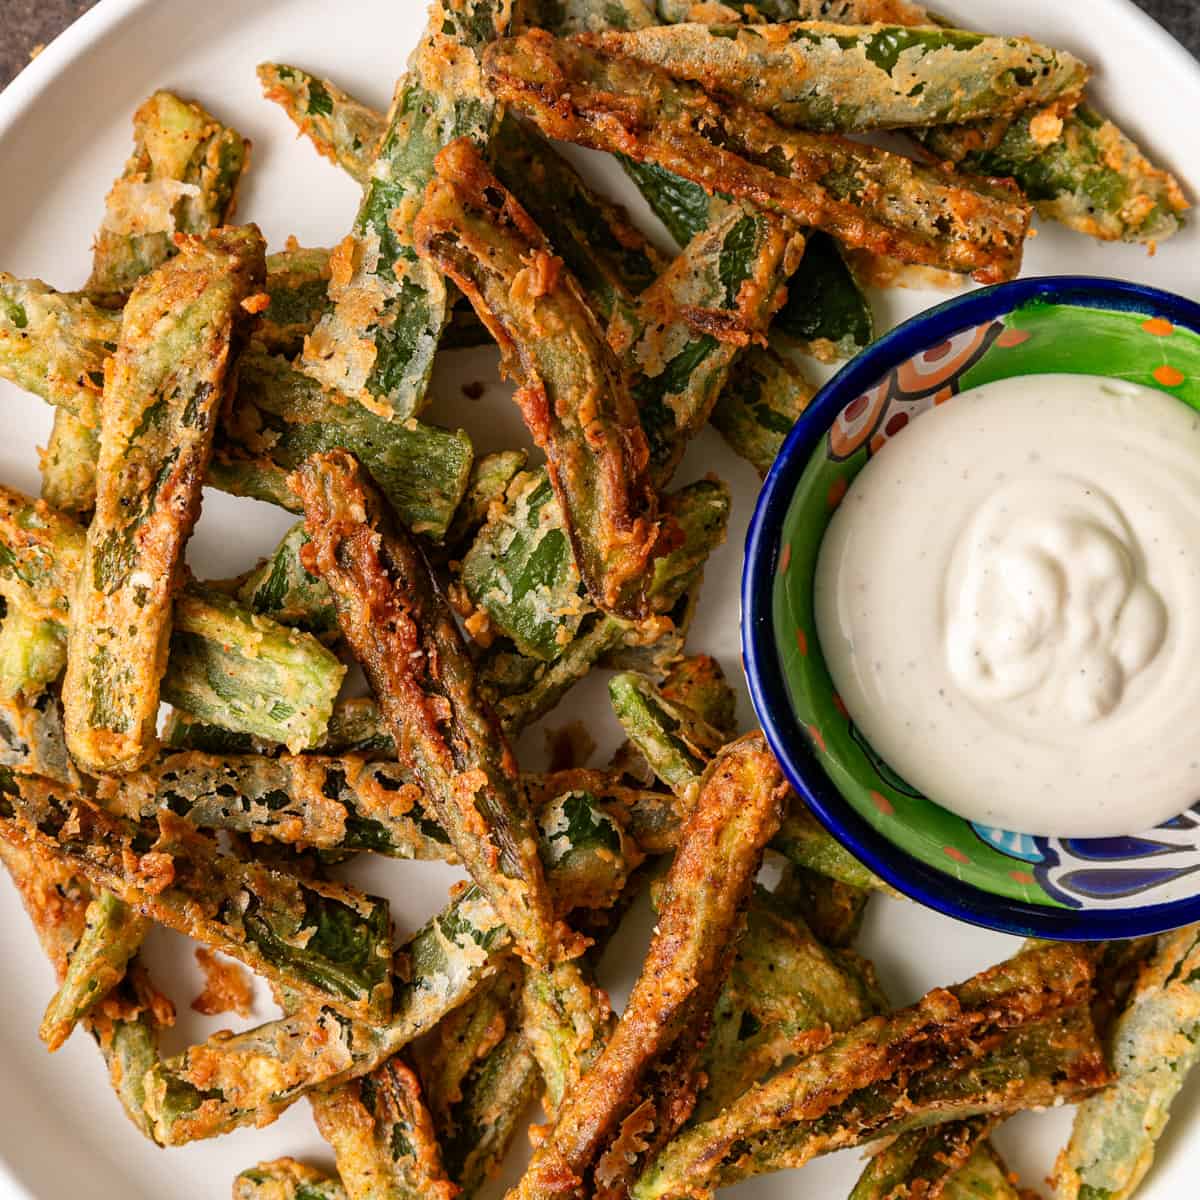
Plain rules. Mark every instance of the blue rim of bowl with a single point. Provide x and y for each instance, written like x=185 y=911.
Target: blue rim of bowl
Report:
x=768 y=690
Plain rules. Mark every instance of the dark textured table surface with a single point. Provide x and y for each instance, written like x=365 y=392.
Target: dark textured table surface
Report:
x=26 y=24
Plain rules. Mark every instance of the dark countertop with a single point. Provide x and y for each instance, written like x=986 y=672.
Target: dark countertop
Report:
x=29 y=23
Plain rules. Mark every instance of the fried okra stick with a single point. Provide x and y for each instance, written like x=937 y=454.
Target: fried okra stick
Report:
x=33 y=653
x=297 y=283
x=181 y=178
x=929 y=217
x=388 y=306
x=225 y=663
x=923 y=1162
x=843 y=12
x=54 y=344
x=402 y=631
x=281 y=588
x=1155 y=1044
x=382 y=1136
x=572 y=393
x=1077 y=167
x=784 y=993
x=342 y=129
x=332 y=944
x=846 y=79
x=643 y=1084
x=69 y=464
x=127 y=1023
x=252 y=1077
x=579 y=16
x=163 y=390
x=286 y=1179
x=491 y=475
x=1015 y=1036
x=113 y=933
x=567 y=1021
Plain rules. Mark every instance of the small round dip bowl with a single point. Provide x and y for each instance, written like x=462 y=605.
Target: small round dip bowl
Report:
x=1065 y=888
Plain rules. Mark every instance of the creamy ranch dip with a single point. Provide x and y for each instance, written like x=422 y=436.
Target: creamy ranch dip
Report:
x=1008 y=600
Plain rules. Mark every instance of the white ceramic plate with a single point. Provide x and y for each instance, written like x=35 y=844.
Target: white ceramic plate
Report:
x=64 y=133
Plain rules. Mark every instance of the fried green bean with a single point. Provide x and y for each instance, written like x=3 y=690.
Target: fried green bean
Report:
x=286 y=1179
x=162 y=393
x=403 y=633
x=377 y=342
x=33 y=653
x=69 y=464
x=567 y=1021
x=1077 y=167
x=382 y=1136
x=113 y=933
x=756 y=411
x=572 y=393
x=342 y=129
x=1155 y=1043
x=643 y=1084
x=181 y=178
x=846 y=79
x=784 y=994
x=331 y=943
x=929 y=218
x=127 y=1023
x=54 y=344
x=923 y=1162
x=253 y=1077
x=1015 y=1036
x=297 y=282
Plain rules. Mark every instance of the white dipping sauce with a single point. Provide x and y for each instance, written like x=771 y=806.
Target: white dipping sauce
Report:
x=1008 y=600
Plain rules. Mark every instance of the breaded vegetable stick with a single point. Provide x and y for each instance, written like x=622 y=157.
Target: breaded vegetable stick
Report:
x=162 y=394
x=1155 y=1043
x=33 y=653
x=401 y=630
x=701 y=511
x=126 y=1025
x=281 y=588
x=1017 y=1035
x=567 y=1020
x=928 y=217
x=297 y=283
x=182 y=178
x=572 y=393
x=1077 y=167
x=286 y=1179
x=496 y=1095
x=382 y=1136
x=491 y=476
x=280 y=417
x=699 y=683
x=784 y=994
x=846 y=79
x=579 y=16
x=331 y=943
x=32 y=738
x=985 y=1176
x=843 y=12
x=833 y=910
x=69 y=464
x=923 y=1162
x=225 y=663
x=252 y=1077
x=377 y=342
x=674 y=742
x=643 y=1086
x=113 y=933
x=343 y=130
x=54 y=344
x=756 y=411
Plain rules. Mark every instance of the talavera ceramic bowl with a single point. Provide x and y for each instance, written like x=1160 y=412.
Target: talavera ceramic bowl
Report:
x=1067 y=888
